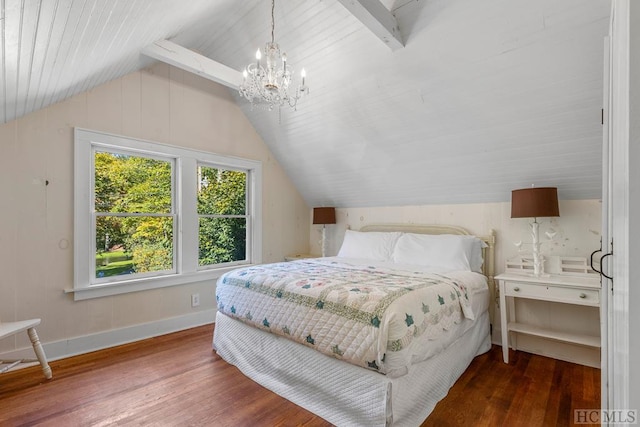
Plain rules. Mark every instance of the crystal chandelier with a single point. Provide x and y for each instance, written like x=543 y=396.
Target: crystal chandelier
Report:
x=266 y=82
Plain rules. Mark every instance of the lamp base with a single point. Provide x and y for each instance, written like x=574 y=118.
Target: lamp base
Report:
x=324 y=241
x=538 y=259
x=539 y=276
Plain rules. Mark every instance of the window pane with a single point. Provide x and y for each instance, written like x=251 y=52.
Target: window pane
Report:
x=222 y=240
x=132 y=184
x=221 y=192
x=129 y=245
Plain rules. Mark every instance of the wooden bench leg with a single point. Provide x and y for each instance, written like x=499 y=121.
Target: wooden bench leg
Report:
x=42 y=358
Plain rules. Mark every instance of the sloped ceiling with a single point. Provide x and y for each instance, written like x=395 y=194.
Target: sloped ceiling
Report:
x=485 y=97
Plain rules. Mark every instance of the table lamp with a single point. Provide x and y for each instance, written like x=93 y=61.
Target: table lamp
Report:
x=324 y=216
x=535 y=202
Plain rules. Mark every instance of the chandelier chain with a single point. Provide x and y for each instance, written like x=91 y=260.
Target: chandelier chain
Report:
x=273 y=21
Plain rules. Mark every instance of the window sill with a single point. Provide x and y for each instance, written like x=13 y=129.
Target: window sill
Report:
x=136 y=285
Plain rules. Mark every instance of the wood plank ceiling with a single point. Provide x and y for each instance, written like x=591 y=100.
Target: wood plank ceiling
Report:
x=485 y=97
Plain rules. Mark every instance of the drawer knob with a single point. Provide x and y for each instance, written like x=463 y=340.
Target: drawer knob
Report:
x=516 y=289
x=583 y=295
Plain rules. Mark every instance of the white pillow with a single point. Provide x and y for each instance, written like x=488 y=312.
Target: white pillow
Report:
x=448 y=251
x=476 y=250
x=373 y=245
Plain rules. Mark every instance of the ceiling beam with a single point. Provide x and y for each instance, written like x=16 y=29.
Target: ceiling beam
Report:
x=377 y=18
x=178 y=56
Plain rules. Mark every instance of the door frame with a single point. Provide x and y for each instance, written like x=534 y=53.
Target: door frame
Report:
x=618 y=306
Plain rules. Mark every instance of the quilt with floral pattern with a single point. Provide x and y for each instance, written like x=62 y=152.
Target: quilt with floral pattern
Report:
x=364 y=315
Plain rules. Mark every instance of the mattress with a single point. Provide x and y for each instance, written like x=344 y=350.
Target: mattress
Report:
x=381 y=317
x=342 y=393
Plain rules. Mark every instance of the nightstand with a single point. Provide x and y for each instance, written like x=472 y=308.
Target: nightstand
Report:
x=299 y=256
x=563 y=289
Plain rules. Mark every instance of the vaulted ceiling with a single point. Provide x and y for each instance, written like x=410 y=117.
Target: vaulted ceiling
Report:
x=485 y=96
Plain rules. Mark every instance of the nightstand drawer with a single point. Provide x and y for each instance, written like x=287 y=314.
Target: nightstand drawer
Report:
x=571 y=295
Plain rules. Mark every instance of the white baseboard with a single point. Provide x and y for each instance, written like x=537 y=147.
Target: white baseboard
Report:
x=496 y=336
x=80 y=345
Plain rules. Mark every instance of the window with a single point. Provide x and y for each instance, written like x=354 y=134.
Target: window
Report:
x=149 y=215
x=222 y=206
x=134 y=215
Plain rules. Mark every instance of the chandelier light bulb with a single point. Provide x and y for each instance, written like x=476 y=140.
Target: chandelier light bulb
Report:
x=258 y=54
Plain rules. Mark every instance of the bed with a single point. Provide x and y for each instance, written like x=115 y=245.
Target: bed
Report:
x=374 y=336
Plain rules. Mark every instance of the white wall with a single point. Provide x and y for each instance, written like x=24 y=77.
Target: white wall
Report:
x=578 y=234
x=162 y=104
x=578 y=227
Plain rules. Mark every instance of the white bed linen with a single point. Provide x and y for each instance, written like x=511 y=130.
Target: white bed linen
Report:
x=348 y=395
x=420 y=350
x=341 y=393
x=476 y=282
x=441 y=327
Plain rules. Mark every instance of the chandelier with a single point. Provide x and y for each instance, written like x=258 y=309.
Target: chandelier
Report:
x=266 y=82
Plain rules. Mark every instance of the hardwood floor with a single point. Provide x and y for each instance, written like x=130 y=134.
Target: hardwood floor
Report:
x=530 y=391
x=177 y=380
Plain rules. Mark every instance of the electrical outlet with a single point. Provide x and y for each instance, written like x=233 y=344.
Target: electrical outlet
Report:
x=195 y=300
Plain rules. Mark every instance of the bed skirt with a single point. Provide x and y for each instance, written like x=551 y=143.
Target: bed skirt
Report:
x=341 y=393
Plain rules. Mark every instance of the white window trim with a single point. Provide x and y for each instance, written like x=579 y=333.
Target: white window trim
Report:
x=185 y=205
